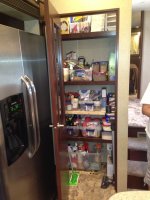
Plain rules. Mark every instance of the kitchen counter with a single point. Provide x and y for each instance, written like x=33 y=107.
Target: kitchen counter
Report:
x=131 y=195
x=135 y=116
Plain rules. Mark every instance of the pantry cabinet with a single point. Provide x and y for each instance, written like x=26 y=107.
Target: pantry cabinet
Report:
x=90 y=60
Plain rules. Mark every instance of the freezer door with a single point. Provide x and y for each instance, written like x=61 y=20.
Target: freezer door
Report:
x=10 y=71
x=11 y=67
x=35 y=67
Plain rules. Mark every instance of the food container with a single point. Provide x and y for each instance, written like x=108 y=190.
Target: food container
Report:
x=93 y=132
x=99 y=76
x=81 y=60
x=86 y=105
x=91 y=128
x=82 y=105
x=86 y=161
x=69 y=107
x=66 y=74
x=103 y=66
x=75 y=103
x=97 y=105
x=95 y=66
x=89 y=106
x=81 y=75
x=73 y=130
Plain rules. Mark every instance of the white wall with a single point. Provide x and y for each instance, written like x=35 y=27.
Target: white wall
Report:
x=65 y=6
x=145 y=76
x=92 y=49
x=136 y=19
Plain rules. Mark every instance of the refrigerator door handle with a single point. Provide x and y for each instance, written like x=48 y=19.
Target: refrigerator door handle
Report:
x=35 y=111
x=30 y=123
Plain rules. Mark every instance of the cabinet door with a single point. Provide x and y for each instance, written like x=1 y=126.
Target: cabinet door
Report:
x=56 y=90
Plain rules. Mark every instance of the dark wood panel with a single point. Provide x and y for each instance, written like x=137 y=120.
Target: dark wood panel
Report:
x=137 y=59
x=137 y=155
x=132 y=131
x=134 y=182
x=90 y=35
x=10 y=21
x=90 y=83
x=88 y=139
x=89 y=12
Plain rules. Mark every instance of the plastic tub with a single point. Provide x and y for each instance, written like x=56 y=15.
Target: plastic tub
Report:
x=86 y=161
x=89 y=106
x=73 y=130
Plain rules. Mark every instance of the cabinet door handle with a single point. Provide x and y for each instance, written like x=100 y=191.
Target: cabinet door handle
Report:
x=60 y=125
x=51 y=126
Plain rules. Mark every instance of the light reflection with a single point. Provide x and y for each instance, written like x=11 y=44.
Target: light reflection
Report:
x=19 y=60
x=135 y=40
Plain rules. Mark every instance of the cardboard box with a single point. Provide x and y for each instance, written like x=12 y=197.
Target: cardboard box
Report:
x=98 y=22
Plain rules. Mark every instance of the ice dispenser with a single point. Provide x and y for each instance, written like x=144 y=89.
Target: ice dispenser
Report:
x=14 y=126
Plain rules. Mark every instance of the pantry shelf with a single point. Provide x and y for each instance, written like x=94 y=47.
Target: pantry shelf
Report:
x=90 y=83
x=90 y=92
x=88 y=139
x=90 y=35
x=84 y=112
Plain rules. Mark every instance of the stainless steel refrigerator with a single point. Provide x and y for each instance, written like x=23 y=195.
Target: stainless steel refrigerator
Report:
x=27 y=170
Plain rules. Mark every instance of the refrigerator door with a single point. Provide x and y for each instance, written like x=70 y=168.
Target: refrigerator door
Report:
x=35 y=67
x=24 y=54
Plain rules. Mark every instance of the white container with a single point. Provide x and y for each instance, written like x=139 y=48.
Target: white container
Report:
x=89 y=106
x=69 y=107
x=66 y=74
x=75 y=103
x=97 y=105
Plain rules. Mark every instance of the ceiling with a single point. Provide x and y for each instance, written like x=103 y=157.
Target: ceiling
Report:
x=140 y=5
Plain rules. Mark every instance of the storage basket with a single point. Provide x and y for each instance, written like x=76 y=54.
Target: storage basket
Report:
x=99 y=76
x=89 y=132
x=73 y=130
x=86 y=161
x=81 y=75
x=86 y=105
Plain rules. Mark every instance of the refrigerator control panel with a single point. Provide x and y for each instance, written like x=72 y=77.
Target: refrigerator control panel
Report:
x=14 y=126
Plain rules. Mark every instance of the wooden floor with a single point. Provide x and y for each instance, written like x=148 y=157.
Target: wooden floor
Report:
x=89 y=187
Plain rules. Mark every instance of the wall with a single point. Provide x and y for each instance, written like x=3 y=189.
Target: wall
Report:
x=136 y=19
x=101 y=48
x=64 y=6
x=145 y=76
